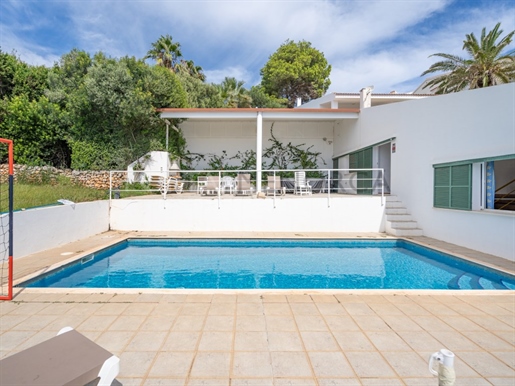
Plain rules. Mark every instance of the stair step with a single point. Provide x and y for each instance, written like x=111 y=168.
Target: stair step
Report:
x=405 y=217
x=394 y=204
x=406 y=232
x=403 y=224
x=390 y=211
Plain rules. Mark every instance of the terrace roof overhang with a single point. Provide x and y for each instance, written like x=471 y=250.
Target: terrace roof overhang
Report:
x=267 y=114
x=259 y=115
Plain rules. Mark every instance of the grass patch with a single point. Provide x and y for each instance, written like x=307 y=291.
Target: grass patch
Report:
x=31 y=195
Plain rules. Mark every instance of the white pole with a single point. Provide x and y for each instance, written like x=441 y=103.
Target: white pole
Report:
x=259 y=149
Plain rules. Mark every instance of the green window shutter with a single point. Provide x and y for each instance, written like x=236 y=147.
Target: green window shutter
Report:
x=453 y=187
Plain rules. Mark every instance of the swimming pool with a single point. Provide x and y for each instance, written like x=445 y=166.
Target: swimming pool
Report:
x=272 y=264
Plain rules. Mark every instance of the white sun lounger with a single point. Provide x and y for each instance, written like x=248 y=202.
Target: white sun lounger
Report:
x=66 y=359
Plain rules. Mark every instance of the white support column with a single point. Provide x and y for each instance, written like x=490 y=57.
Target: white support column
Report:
x=259 y=149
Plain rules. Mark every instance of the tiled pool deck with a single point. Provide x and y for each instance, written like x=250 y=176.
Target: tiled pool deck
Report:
x=272 y=338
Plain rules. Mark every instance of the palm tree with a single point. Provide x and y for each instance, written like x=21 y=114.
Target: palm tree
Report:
x=188 y=67
x=233 y=93
x=165 y=52
x=487 y=65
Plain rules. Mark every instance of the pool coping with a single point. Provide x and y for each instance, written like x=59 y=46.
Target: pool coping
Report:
x=421 y=241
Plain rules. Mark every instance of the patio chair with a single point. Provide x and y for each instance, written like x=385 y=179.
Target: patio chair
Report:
x=212 y=186
x=227 y=183
x=274 y=186
x=201 y=181
x=243 y=186
x=175 y=185
x=66 y=359
x=301 y=185
x=160 y=183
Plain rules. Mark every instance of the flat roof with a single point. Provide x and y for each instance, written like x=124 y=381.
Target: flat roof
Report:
x=267 y=113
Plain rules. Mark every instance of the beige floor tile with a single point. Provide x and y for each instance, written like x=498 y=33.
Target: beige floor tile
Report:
x=369 y=364
x=114 y=340
x=195 y=309
x=9 y=321
x=272 y=298
x=163 y=382
x=432 y=323
x=330 y=364
x=299 y=299
x=65 y=320
x=508 y=336
x=359 y=309
x=223 y=298
x=488 y=341
x=211 y=364
x=166 y=309
x=250 y=341
x=56 y=309
x=216 y=341
x=280 y=323
x=507 y=319
x=324 y=299
x=252 y=382
x=188 y=323
x=319 y=341
x=455 y=341
x=340 y=382
x=129 y=381
x=371 y=323
x=157 y=323
x=172 y=364
x=308 y=309
x=497 y=381
x=247 y=309
x=35 y=339
x=412 y=309
x=401 y=323
x=345 y=299
x=219 y=323
x=341 y=323
x=208 y=382
x=419 y=340
x=385 y=308
x=149 y=298
x=282 y=309
x=382 y=382
x=290 y=364
x=111 y=309
x=328 y=309
x=97 y=323
x=462 y=323
x=252 y=364
x=222 y=309
x=249 y=299
x=146 y=341
x=181 y=341
x=486 y=364
x=142 y=309
x=387 y=341
x=123 y=298
x=353 y=341
x=284 y=341
x=135 y=364
x=127 y=323
x=407 y=364
x=250 y=323
x=174 y=298
x=310 y=323
x=507 y=357
x=467 y=309
x=440 y=309
x=414 y=381
x=98 y=298
x=199 y=298
x=26 y=308
x=84 y=309
x=491 y=323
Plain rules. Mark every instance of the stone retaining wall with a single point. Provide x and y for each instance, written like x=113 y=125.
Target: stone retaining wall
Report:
x=46 y=174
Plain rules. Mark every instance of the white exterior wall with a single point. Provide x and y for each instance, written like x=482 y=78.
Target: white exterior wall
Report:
x=466 y=125
x=310 y=214
x=39 y=229
x=212 y=137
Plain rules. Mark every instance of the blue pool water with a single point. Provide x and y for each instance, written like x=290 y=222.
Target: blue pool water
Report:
x=273 y=264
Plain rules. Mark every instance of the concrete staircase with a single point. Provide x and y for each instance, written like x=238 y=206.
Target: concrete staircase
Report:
x=398 y=221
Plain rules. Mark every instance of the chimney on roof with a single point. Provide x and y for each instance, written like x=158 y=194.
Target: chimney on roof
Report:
x=365 y=97
x=298 y=101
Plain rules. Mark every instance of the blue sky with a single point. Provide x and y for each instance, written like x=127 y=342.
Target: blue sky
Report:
x=384 y=43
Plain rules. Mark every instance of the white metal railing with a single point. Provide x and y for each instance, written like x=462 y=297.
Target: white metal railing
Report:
x=229 y=183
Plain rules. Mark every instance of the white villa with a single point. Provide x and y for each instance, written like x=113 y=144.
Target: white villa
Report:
x=438 y=153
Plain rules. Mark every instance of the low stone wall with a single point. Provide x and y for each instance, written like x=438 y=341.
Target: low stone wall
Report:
x=47 y=174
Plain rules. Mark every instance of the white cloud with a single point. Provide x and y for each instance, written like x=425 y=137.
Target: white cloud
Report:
x=238 y=72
